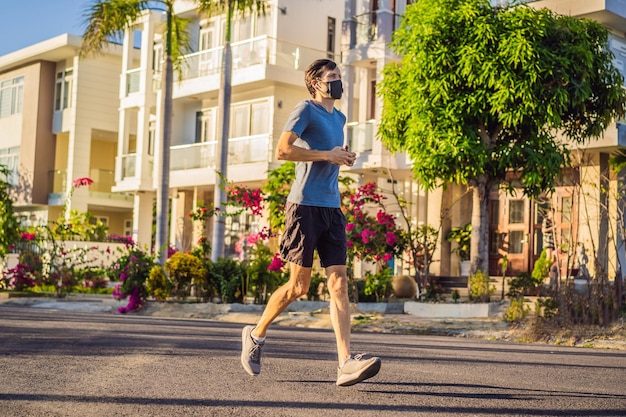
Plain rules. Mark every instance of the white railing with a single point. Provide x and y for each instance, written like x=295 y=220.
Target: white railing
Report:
x=254 y=51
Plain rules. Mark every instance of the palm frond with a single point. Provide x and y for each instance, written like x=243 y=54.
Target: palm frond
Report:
x=241 y=7
x=106 y=20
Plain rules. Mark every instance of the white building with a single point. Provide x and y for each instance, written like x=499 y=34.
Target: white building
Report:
x=270 y=53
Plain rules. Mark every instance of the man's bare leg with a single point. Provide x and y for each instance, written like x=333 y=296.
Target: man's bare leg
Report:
x=337 y=282
x=297 y=286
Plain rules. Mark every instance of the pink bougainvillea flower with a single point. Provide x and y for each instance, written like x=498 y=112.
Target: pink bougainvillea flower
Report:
x=350 y=226
x=277 y=264
x=82 y=182
x=28 y=236
x=367 y=234
x=387 y=257
x=391 y=238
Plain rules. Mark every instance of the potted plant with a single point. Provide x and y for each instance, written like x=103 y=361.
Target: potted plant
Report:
x=462 y=236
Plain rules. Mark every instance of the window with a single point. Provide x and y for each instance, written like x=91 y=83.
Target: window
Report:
x=250 y=119
x=63 y=90
x=494 y=213
x=206 y=126
x=151 y=137
x=330 y=40
x=516 y=241
x=94 y=220
x=566 y=214
x=207 y=38
x=11 y=96
x=157 y=57
x=128 y=227
x=10 y=157
x=516 y=211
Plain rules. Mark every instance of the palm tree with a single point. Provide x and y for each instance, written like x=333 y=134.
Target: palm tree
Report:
x=106 y=19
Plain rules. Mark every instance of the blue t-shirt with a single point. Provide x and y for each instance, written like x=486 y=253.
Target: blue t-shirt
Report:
x=316 y=183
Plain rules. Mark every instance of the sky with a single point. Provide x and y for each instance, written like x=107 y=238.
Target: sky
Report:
x=27 y=22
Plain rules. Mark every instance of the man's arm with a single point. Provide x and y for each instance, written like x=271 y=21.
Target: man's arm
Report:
x=287 y=151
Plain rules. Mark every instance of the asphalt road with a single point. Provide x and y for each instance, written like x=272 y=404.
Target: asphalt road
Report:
x=58 y=363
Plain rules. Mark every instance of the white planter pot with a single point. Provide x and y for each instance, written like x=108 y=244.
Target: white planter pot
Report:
x=465 y=268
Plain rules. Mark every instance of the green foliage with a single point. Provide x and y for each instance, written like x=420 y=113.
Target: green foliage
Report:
x=9 y=225
x=463 y=238
x=229 y=275
x=546 y=308
x=481 y=92
x=517 y=311
x=184 y=271
x=541 y=268
x=317 y=289
x=158 y=284
x=455 y=295
x=378 y=285
x=261 y=281
x=276 y=190
x=432 y=292
x=523 y=284
x=80 y=226
x=480 y=287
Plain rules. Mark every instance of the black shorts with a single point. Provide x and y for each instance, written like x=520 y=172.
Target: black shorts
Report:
x=308 y=228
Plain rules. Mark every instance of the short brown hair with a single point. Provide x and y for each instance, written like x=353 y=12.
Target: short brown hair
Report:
x=316 y=70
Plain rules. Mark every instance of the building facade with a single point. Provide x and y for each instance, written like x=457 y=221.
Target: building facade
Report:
x=58 y=122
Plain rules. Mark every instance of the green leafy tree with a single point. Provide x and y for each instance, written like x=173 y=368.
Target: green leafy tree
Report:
x=481 y=92
x=9 y=226
x=106 y=19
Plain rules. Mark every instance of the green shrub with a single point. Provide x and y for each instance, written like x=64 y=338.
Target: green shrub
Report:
x=184 y=271
x=229 y=275
x=261 y=281
x=318 y=289
x=158 y=284
x=541 y=268
x=523 y=284
x=480 y=287
x=378 y=285
x=433 y=291
x=517 y=311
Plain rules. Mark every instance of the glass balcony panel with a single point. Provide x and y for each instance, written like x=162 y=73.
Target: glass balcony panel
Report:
x=197 y=155
x=361 y=136
x=103 y=180
x=57 y=180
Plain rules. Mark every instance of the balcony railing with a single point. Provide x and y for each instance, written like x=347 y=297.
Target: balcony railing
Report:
x=254 y=51
x=366 y=26
x=241 y=150
x=102 y=180
x=361 y=135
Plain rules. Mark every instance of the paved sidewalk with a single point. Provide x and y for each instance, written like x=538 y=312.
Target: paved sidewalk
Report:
x=313 y=315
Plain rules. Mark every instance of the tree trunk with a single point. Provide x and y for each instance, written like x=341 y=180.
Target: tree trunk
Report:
x=163 y=191
x=479 y=252
x=219 y=195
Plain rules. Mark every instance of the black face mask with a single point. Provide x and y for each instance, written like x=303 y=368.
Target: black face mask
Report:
x=335 y=89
